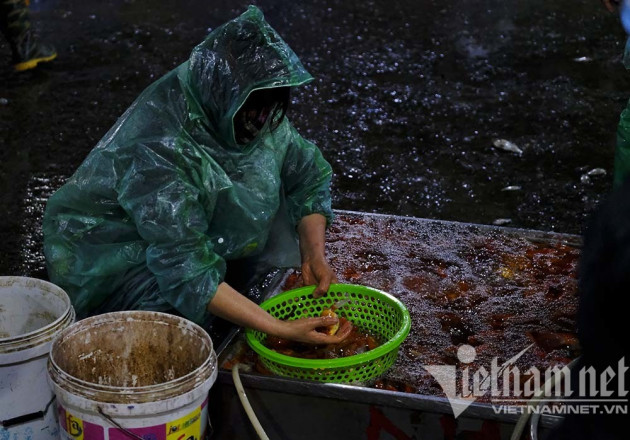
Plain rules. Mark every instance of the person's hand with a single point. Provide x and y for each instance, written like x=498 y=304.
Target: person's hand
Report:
x=318 y=271
x=228 y=304
x=305 y=330
x=315 y=268
x=611 y=5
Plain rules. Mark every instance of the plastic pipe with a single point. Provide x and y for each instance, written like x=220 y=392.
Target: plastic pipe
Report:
x=245 y=402
x=535 y=402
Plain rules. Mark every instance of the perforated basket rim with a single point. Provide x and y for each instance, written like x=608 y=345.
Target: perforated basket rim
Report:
x=348 y=361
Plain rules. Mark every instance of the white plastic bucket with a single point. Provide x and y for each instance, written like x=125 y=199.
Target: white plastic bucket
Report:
x=32 y=313
x=134 y=374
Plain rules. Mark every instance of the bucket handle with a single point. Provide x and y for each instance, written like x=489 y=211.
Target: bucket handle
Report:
x=26 y=417
x=118 y=425
x=135 y=436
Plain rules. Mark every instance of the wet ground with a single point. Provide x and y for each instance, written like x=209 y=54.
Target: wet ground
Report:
x=408 y=97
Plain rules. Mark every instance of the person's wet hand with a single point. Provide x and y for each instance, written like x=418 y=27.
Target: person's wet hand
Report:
x=317 y=271
x=611 y=5
x=305 y=330
x=315 y=268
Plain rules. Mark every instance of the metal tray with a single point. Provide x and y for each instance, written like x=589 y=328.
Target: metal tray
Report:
x=295 y=409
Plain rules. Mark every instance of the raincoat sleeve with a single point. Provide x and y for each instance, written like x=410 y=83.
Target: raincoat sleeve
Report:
x=158 y=193
x=306 y=177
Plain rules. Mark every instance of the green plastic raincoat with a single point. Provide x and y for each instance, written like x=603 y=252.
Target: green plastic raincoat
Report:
x=168 y=196
x=622 y=149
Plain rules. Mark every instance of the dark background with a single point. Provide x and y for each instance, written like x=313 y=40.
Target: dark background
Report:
x=408 y=96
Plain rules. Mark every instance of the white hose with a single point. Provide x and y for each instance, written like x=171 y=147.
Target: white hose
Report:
x=535 y=401
x=533 y=427
x=245 y=402
x=524 y=418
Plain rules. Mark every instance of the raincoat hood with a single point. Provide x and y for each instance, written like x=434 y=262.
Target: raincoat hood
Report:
x=241 y=56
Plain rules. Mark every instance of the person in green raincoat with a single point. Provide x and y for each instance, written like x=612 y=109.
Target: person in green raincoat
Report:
x=202 y=170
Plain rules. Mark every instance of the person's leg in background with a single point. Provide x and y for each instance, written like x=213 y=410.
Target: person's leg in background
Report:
x=15 y=25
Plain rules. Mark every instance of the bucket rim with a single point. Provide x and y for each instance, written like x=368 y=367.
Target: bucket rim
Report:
x=42 y=332
x=201 y=373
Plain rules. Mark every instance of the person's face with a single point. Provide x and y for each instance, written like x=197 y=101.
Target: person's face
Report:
x=252 y=117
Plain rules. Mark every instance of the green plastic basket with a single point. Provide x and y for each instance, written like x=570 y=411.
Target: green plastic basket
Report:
x=370 y=309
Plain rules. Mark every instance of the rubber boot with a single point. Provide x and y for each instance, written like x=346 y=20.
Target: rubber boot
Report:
x=15 y=25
